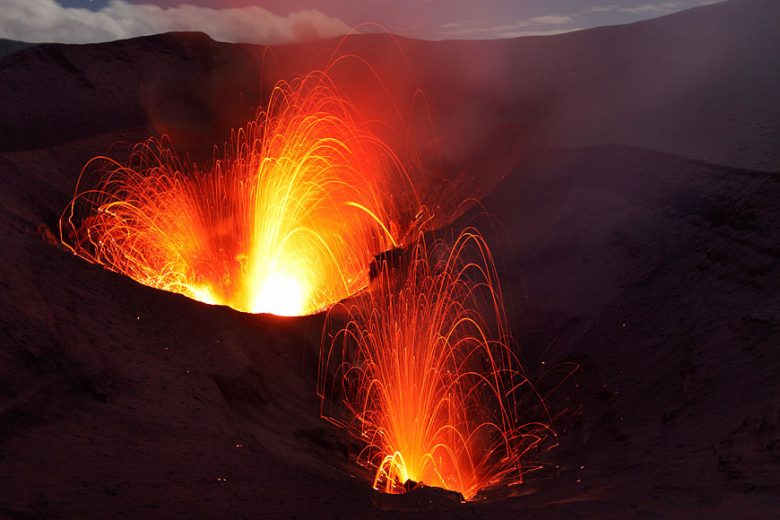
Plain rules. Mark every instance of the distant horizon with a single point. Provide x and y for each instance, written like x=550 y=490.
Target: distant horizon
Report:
x=281 y=22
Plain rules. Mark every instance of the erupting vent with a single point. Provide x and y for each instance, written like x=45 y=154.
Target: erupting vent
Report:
x=287 y=222
x=306 y=208
x=423 y=377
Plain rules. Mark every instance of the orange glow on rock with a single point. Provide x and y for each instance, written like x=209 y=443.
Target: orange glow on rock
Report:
x=423 y=377
x=286 y=222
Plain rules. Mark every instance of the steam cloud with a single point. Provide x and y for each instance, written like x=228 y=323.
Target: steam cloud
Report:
x=47 y=21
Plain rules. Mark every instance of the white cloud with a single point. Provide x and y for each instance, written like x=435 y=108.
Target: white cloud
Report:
x=652 y=8
x=550 y=32
x=550 y=19
x=47 y=21
x=536 y=26
x=604 y=8
x=666 y=7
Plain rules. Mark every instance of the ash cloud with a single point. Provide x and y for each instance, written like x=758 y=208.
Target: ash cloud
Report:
x=48 y=21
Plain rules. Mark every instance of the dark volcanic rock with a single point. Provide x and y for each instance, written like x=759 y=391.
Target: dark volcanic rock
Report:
x=700 y=84
x=418 y=498
x=656 y=274
x=11 y=46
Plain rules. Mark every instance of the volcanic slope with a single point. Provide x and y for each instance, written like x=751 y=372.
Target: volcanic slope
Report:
x=700 y=84
x=655 y=272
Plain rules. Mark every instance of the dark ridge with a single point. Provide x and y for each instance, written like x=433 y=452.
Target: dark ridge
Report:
x=701 y=84
x=11 y=46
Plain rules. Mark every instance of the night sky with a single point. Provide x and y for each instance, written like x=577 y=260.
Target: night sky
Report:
x=280 y=21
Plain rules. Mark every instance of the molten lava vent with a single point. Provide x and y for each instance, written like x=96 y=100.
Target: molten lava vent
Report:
x=421 y=374
x=286 y=222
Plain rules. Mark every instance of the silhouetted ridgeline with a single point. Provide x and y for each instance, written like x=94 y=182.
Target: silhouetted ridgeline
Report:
x=701 y=84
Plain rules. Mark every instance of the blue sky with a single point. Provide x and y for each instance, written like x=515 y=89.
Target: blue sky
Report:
x=280 y=21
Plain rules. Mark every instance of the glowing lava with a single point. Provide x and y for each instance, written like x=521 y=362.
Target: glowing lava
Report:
x=422 y=375
x=286 y=222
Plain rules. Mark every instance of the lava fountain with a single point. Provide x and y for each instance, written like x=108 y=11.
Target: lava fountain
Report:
x=286 y=222
x=421 y=374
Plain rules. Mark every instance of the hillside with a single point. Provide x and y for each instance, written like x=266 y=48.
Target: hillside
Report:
x=634 y=223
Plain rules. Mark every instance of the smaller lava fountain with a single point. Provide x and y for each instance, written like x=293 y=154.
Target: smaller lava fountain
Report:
x=423 y=378
x=286 y=222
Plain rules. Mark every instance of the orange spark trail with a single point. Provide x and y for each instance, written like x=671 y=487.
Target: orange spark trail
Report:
x=286 y=222
x=423 y=377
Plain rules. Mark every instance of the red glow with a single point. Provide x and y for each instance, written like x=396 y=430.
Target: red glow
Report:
x=286 y=222
x=423 y=377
